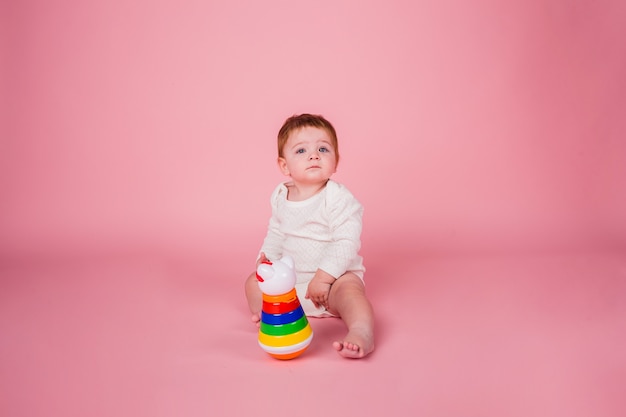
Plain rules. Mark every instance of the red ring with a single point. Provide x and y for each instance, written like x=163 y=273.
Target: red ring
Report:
x=280 y=308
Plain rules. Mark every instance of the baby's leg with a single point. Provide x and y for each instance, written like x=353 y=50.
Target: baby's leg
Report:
x=255 y=298
x=347 y=299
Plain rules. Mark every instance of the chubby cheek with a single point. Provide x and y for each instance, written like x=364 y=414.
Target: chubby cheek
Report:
x=331 y=162
x=294 y=166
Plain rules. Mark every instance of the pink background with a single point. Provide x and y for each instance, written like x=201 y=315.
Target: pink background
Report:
x=485 y=139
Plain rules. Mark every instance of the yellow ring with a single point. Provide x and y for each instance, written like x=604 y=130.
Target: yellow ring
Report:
x=287 y=340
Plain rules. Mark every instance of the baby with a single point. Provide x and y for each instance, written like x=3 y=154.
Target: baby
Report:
x=317 y=222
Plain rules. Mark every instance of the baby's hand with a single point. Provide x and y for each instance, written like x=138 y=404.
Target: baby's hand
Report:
x=262 y=258
x=319 y=289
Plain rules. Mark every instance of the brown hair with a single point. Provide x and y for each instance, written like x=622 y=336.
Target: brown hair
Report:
x=296 y=122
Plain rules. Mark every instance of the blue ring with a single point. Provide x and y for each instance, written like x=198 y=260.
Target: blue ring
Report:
x=284 y=318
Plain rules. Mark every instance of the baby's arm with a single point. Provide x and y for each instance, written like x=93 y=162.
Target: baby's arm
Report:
x=273 y=242
x=319 y=288
x=345 y=213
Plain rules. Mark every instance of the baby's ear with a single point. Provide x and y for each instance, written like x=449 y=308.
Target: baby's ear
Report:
x=282 y=165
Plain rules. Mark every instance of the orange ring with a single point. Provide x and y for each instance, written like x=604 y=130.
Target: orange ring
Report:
x=280 y=304
x=281 y=298
x=287 y=356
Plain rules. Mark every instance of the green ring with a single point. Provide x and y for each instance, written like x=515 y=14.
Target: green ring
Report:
x=284 y=329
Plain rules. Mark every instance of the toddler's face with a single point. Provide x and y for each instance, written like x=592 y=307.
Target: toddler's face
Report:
x=308 y=156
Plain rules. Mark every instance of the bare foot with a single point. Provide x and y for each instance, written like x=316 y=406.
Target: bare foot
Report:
x=357 y=344
x=256 y=319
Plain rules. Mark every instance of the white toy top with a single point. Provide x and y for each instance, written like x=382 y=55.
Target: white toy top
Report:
x=278 y=277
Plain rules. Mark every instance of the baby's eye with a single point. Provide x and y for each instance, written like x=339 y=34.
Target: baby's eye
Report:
x=301 y=150
x=324 y=149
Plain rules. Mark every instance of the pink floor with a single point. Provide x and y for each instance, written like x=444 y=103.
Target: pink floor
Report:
x=158 y=335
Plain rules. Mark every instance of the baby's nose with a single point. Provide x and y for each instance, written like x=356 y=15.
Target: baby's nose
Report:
x=314 y=155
